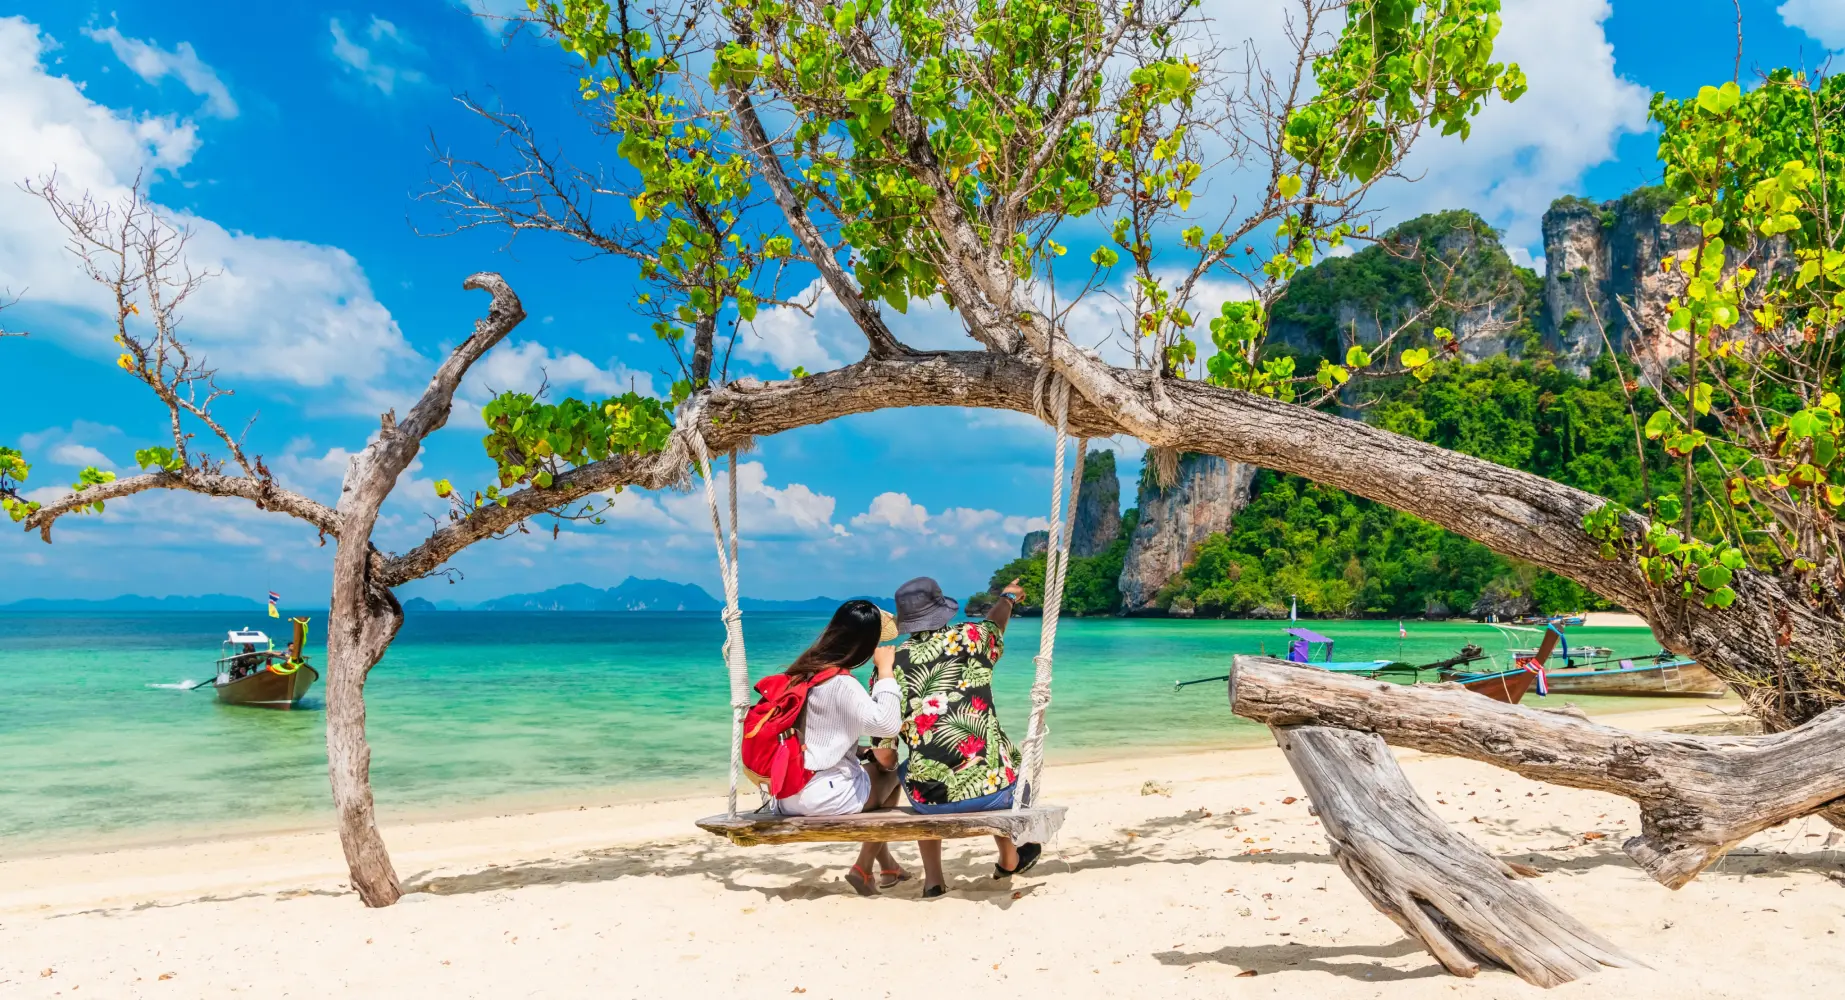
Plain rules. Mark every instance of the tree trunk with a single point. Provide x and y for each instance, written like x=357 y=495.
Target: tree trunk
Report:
x=1464 y=905
x=1698 y=796
x=362 y=623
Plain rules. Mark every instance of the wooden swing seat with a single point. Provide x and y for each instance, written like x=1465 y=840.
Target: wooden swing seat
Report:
x=1036 y=824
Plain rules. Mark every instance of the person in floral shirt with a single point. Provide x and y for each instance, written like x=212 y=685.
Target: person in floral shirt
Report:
x=959 y=758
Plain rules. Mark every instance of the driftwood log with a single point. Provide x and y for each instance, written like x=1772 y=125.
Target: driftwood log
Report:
x=1463 y=904
x=1698 y=795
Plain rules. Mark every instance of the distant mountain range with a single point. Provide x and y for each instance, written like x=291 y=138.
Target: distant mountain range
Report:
x=632 y=594
x=635 y=594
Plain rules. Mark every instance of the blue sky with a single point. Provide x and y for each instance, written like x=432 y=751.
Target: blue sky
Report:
x=292 y=139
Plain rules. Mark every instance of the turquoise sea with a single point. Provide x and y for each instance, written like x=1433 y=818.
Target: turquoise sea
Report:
x=474 y=710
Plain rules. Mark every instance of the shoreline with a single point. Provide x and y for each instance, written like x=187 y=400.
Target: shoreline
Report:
x=1237 y=735
x=1201 y=874
x=478 y=830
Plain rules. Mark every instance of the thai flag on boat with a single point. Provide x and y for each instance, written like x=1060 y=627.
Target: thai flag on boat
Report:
x=1402 y=633
x=273 y=598
x=1543 y=682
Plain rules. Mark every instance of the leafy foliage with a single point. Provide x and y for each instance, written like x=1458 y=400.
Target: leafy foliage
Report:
x=1758 y=312
x=13 y=471
x=1092 y=586
x=535 y=442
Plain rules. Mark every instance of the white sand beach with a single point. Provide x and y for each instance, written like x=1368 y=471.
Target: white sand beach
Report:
x=1193 y=875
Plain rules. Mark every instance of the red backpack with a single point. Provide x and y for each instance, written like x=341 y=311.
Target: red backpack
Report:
x=773 y=754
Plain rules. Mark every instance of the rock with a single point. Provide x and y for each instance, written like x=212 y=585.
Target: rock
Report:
x=1182 y=607
x=1599 y=255
x=1359 y=299
x=1268 y=612
x=1035 y=542
x=1437 y=611
x=1502 y=604
x=1098 y=506
x=1205 y=498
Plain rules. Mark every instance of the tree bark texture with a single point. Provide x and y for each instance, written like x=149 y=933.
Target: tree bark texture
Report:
x=364 y=615
x=1698 y=795
x=1463 y=904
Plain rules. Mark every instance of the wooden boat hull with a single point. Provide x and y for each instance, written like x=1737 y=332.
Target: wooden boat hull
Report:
x=1508 y=686
x=1686 y=680
x=267 y=689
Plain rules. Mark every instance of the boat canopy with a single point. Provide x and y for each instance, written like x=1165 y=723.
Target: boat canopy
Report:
x=247 y=635
x=1301 y=649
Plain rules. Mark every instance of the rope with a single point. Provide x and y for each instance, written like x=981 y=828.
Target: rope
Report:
x=735 y=657
x=1056 y=564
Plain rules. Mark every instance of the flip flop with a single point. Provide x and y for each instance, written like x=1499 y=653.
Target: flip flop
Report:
x=860 y=881
x=1028 y=856
x=932 y=891
x=888 y=877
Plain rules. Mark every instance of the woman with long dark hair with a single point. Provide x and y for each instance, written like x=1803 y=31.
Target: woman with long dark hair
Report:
x=839 y=713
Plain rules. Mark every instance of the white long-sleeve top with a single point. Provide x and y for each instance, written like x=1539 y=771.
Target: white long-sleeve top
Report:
x=839 y=713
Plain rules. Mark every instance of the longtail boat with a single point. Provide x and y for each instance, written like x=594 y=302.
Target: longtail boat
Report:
x=262 y=677
x=1663 y=675
x=1508 y=686
x=1315 y=650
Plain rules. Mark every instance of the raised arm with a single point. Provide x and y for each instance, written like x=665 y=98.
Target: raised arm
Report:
x=1001 y=611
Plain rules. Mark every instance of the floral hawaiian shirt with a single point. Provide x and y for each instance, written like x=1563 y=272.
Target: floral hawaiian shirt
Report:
x=957 y=749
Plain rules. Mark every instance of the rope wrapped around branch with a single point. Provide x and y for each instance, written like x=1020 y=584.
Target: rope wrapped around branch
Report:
x=1056 y=565
x=736 y=657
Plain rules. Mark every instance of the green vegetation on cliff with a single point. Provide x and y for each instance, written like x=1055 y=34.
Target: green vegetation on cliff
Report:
x=1093 y=586
x=1401 y=273
x=1343 y=555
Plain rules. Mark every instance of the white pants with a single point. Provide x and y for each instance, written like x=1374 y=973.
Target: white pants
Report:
x=840 y=790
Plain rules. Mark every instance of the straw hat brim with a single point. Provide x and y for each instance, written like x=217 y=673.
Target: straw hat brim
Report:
x=887 y=626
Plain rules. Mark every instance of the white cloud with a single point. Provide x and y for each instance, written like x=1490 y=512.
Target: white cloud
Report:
x=1522 y=156
x=896 y=520
x=1823 y=20
x=374 y=65
x=522 y=366
x=765 y=513
x=275 y=308
x=786 y=337
x=894 y=510
x=71 y=453
x=153 y=64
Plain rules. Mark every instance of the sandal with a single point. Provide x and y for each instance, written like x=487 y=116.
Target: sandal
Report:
x=1028 y=856
x=932 y=891
x=860 y=881
x=888 y=877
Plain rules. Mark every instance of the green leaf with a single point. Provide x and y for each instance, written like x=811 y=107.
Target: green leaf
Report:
x=1660 y=422
x=1356 y=356
x=1288 y=185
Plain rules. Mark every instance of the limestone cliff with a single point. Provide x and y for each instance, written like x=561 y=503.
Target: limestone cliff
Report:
x=1205 y=498
x=1035 y=542
x=1598 y=257
x=1098 y=506
x=1452 y=260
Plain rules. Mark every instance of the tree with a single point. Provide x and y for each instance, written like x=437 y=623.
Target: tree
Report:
x=139 y=257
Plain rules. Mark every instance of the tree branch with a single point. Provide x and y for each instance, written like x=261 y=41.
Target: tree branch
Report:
x=262 y=492
x=1698 y=796
x=884 y=344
